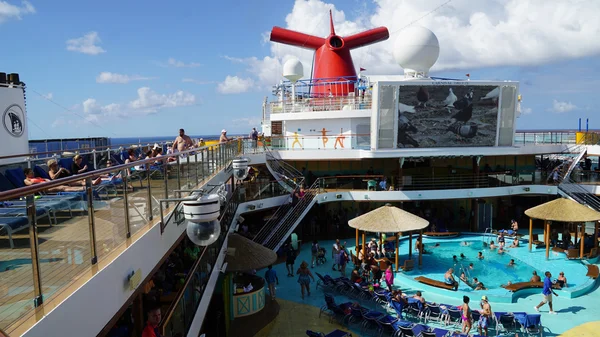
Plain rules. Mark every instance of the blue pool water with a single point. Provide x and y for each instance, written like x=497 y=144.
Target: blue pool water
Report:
x=492 y=270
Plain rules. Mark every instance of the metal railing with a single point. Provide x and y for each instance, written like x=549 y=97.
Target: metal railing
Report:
x=535 y=137
x=97 y=212
x=178 y=318
x=279 y=232
x=320 y=104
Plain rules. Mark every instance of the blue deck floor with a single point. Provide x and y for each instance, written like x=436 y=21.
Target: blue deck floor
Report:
x=571 y=311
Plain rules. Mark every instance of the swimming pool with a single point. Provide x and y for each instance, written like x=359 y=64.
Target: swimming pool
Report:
x=492 y=270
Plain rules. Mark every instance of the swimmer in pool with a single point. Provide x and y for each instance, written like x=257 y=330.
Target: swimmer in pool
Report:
x=471 y=266
x=462 y=256
x=480 y=255
x=511 y=263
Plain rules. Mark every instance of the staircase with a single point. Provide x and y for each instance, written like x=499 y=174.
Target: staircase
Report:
x=286 y=218
x=570 y=188
x=287 y=175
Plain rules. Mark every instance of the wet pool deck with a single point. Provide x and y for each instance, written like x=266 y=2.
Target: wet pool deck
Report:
x=299 y=314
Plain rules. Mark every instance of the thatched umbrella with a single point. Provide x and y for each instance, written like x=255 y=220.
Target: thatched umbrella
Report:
x=390 y=219
x=562 y=210
x=244 y=254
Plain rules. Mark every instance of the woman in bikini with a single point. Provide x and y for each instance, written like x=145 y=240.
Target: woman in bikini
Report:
x=467 y=320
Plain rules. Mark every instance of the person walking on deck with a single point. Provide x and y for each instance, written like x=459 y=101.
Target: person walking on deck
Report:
x=547 y=292
x=272 y=279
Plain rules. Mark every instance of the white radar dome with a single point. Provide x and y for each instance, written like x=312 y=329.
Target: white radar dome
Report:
x=416 y=49
x=293 y=70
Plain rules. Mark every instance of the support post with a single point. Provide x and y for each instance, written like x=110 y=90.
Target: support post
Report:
x=126 y=203
x=397 y=248
x=410 y=246
x=581 y=237
x=363 y=246
x=33 y=244
x=356 y=249
x=547 y=233
x=149 y=196
x=530 y=233
x=421 y=248
x=91 y=220
x=595 y=234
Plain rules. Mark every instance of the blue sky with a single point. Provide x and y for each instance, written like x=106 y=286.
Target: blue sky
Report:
x=165 y=62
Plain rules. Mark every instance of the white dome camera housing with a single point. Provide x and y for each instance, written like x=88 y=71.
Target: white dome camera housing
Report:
x=240 y=168
x=203 y=226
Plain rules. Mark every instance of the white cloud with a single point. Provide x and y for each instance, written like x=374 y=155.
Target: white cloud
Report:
x=147 y=102
x=8 y=11
x=253 y=122
x=235 y=85
x=471 y=34
x=108 y=77
x=180 y=64
x=526 y=111
x=87 y=44
x=562 y=107
x=48 y=96
x=191 y=80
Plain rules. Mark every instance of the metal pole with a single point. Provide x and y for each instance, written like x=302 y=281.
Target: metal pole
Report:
x=166 y=179
x=202 y=159
x=92 y=225
x=178 y=174
x=33 y=243
x=126 y=203
x=196 y=168
x=95 y=160
x=187 y=173
x=149 y=200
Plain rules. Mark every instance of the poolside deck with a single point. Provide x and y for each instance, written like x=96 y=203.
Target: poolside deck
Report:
x=572 y=312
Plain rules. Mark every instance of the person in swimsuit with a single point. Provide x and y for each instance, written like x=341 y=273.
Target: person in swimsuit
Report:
x=449 y=278
x=486 y=313
x=304 y=276
x=501 y=240
x=562 y=280
x=467 y=321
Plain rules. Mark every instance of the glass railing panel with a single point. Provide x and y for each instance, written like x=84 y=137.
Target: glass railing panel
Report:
x=17 y=291
x=67 y=244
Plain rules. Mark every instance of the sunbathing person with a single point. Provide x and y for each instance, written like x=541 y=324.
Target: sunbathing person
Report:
x=57 y=172
x=30 y=179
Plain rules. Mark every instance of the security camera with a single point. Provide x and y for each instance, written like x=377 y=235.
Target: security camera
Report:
x=240 y=168
x=203 y=227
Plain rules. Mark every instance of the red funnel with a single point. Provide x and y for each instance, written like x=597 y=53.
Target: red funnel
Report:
x=333 y=62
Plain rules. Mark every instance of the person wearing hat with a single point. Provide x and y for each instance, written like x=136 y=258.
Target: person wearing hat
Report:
x=223 y=138
x=486 y=314
x=201 y=142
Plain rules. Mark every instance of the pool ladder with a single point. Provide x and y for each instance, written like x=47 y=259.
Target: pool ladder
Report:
x=485 y=238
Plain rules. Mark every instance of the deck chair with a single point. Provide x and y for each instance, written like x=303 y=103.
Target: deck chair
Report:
x=592 y=254
x=593 y=271
x=408 y=265
x=573 y=254
x=12 y=225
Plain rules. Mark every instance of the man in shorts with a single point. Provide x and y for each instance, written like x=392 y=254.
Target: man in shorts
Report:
x=547 y=292
x=486 y=314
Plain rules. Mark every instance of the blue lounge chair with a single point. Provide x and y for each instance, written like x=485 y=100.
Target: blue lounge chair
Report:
x=335 y=333
x=12 y=225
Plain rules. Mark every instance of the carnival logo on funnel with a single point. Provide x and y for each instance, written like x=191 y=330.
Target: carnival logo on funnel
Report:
x=13 y=120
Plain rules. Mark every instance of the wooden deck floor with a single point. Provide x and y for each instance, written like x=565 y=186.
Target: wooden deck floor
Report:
x=64 y=249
